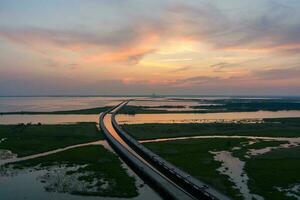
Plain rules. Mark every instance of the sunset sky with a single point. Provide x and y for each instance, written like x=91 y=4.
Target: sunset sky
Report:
x=196 y=47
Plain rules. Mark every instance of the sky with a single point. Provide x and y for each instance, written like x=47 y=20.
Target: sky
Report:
x=140 y=47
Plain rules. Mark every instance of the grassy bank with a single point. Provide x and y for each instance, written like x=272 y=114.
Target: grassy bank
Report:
x=30 y=139
x=221 y=106
x=251 y=106
x=96 y=168
x=96 y=110
x=279 y=168
x=285 y=127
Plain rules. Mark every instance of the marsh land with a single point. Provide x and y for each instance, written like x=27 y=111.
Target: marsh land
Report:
x=248 y=148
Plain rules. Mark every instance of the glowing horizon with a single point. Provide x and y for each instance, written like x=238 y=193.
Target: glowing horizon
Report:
x=227 y=47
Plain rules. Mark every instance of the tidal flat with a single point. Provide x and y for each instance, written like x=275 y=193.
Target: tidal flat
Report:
x=235 y=158
x=230 y=165
x=88 y=171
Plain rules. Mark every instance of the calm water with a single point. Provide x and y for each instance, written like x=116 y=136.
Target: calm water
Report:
x=47 y=119
x=200 y=117
x=14 y=104
x=163 y=102
x=185 y=104
x=26 y=185
x=148 y=118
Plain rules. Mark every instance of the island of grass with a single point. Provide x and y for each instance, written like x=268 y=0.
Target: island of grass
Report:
x=217 y=106
x=87 y=111
x=242 y=152
x=28 y=139
x=250 y=106
x=95 y=170
x=220 y=105
x=280 y=127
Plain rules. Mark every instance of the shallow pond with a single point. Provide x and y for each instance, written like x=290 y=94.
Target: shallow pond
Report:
x=27 y=185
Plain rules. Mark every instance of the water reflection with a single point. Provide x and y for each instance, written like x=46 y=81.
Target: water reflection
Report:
x=26 y=185
x=47 y=119
x=201 y=117
x=14 y=104
x=234 y=169
x=292 y=140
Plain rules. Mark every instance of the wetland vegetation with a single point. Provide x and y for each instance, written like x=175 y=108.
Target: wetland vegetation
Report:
x=87 y=111
x=280 y=127
x=193 y=156
x=270 y=175
x=90 y=170
x=219 y=105
x=275 y=175
x=28 y=139
x=260 y=167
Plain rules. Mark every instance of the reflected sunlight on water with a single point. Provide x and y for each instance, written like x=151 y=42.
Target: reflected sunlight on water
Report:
x=201 y=117
x=47 y=119
x=14 y=104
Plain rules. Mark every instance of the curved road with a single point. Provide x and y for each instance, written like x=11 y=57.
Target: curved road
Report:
x=158 y=179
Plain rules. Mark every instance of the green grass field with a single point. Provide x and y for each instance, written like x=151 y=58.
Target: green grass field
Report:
x=30 y=139
x=193 y=157
x=281 y=127
x=97 y=166
x=278 y=168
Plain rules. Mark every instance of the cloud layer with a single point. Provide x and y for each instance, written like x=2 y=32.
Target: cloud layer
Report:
x=157 y=45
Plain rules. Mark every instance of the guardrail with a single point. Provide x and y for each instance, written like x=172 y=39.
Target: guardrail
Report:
x=180 y=177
